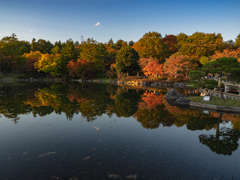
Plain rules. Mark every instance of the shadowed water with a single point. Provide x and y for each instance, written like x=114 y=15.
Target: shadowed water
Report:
x=95 y=131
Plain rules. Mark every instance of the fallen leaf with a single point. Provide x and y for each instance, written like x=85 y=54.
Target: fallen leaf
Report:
x=115 y=176
x=43 y=155
x=86 y=158
x=132 y=176
x=96 y=128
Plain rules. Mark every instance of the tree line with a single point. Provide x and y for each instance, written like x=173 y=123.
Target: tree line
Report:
x=152 y=55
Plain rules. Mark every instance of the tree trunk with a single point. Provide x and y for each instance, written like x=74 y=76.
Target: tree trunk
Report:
x=221 y=94
x=220 y=89
x=219 y=81
x=219 y=120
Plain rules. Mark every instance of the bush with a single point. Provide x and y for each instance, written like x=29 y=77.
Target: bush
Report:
x=211 y=83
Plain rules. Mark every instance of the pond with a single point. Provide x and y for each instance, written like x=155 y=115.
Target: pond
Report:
x=102 y=131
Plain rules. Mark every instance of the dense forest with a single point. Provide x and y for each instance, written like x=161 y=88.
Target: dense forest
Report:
x=152 y=55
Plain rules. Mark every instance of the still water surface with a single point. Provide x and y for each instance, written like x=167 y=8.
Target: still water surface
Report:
x=95 y=131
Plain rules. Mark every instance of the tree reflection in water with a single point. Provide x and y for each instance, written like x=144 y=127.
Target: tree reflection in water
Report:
x=224 y=142
x=94 y=100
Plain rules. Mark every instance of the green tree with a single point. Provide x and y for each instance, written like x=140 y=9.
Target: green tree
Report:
x=152 y=45
x=55 y=50
x=120 y=43
x=25 y=47
x=131 y=43
x=94 y=52
x=10 y=48
x=69 y=52
x=237 y=43
x=181 y=38
x=201 y=44
x=224 y=66
x=41 y=45
x=126 y=60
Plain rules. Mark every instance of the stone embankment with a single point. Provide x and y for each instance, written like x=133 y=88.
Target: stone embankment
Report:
x=31 y=80
x=215 y=107
x=140 y=83
x=225 y=94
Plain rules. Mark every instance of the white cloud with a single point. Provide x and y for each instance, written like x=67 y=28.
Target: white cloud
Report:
x=98 y=24
x=31 y=31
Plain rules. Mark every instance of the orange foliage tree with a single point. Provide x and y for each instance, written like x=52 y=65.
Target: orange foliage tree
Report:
x=80 y=68
x=153 y=68
x=178 y=65
x=227 y=53
x=143 y=62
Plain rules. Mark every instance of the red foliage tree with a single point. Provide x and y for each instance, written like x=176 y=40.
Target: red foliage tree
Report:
x=171 y=42
x=153 y=68
x=30 y=64
x=178 y=65
x=80 y=68
x=143 y=62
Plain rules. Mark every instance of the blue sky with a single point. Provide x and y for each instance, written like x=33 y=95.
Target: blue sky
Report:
x=56 y=20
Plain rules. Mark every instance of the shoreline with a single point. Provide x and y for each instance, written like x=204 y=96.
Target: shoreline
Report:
x=214 y=107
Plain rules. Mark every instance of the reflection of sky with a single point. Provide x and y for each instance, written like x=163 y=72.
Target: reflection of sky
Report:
x=128 y=20
x=121 y=147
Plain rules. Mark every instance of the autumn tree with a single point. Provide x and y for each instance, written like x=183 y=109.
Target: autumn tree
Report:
x=143 y=62
x=171 y=42
x=179 y=64
x=80 y=68
x=31 y=59
x=153 y=69
x=203 y=60
x=227 y=53
x=50 y=63
x=228 y=44
x=152 y=45
x=126 y=60
x=201 y=44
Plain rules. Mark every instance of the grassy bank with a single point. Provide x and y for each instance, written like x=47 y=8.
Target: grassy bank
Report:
x=216 y=101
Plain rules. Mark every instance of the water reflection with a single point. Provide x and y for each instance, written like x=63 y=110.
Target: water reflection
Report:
x=107 y=131
x=94 y=100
